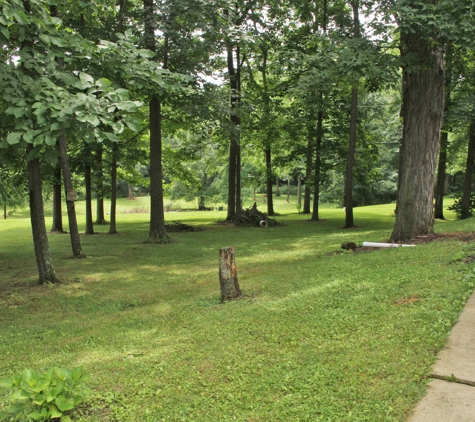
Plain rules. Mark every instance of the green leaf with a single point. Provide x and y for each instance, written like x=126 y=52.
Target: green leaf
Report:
x=50 y=140
x=6 y=383
x=14 y=138
x=86 y=78
x=63 y=403
x=103 y=83
x=134 y=124
x=65 y=418
x=19 y=112
x=17 y=408
x=93 y=120
x=36 y=416
x=5 y=32
x=54 y=412
x=112 y=137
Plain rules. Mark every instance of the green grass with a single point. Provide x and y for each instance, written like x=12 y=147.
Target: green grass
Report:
x=320 y=335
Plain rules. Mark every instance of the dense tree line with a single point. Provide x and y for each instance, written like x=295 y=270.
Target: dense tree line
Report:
x=358 y=102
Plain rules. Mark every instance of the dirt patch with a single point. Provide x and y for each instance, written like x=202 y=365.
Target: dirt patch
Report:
x=406 y=300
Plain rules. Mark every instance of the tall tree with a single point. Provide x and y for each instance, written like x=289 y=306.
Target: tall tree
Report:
x=157 y=231
x=422 y=111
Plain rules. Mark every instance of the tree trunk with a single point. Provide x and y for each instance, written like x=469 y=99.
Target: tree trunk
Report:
x=308 y=175
x=88 y=186
x=441 y=176
x=234 y=188
x=5 y=215
x=68 y=186
x=442 y=167
x=228 y=277
x=288 y=188
x=350 y=161
x=158 y=231
x=57 y=210
x=318 y=148
x=100 y=213
x=44 y=262
x=270 y=194
x=277 y=187
x=113 y=220
x=422 y=111
x=131 y=194
x=299 y=191
x=465 y=211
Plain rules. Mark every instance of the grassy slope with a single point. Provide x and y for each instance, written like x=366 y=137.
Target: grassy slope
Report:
x=320 y=336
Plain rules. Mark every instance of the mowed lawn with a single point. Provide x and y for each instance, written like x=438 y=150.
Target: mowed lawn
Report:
x=319 y=334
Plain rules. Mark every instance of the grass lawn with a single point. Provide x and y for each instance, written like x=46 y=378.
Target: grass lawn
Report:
x=319 y=335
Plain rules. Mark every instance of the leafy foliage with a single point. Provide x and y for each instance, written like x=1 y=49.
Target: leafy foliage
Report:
x=46 y=396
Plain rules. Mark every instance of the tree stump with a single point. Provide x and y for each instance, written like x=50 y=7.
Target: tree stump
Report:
x=228 y=277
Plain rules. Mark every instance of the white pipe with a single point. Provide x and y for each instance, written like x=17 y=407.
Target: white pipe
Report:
x=384 y=245
x=263 y=223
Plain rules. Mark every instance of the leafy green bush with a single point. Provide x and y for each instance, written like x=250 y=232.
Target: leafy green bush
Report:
x=48 y=396
x=457 y=206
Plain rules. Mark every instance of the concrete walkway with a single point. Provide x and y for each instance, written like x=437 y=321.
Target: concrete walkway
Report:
x=451 y=395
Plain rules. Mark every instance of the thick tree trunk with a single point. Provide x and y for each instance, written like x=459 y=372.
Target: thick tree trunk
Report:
x=350 y=161
x=158 y=231
x=465 y=211
x=422 y=112
x=270 y=194
x=57 y=205
x=234 y=188
x=113 y=220
x=44 y=262
x=228 y=277
x=5 y=215
x=88 y=183
x=441 y=176
x=131 y=194
x=100 y=213
x=68 y=186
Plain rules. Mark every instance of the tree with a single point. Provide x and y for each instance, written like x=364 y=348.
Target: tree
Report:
x=422 y=110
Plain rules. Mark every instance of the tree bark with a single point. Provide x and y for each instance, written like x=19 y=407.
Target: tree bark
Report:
x=441 y=176
x=88 y=183
x=270 y=194
x=228 y=277
x=68 y=186
x=113 y=220
x=299 y=191
x=465 y=211
x=442 y=166
x=44 y=262
x=318 y=148
x=157 y=232
x=350 y=161
x=57 y=205
x=422 y=112
x=308 y=175
x=100 y=213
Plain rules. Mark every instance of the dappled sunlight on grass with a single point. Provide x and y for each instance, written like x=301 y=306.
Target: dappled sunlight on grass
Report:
x=319 y=334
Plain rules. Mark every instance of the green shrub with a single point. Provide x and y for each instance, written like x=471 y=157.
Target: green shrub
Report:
x=457 y=206
x=48 y=396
